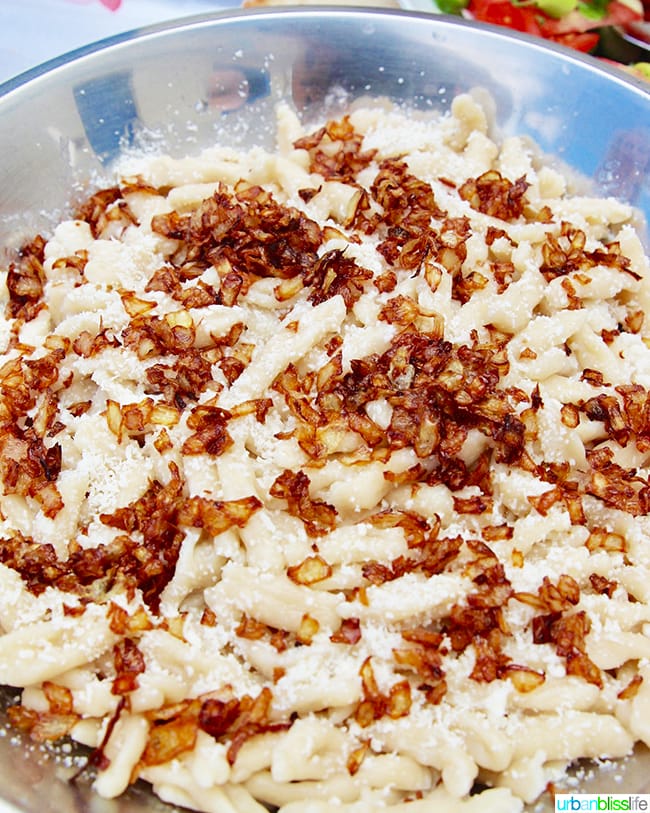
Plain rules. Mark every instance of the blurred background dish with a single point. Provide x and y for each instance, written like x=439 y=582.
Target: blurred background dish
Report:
x=615 y=30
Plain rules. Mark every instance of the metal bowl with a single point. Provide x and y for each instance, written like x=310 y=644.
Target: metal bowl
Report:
x=184 y=85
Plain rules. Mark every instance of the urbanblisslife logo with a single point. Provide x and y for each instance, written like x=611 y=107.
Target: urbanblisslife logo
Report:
x=567 y=802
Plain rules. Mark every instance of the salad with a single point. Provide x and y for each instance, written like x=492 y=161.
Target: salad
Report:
x=574 y=23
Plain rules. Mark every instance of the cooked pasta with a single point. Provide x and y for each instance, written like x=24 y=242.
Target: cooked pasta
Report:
x=325 y=473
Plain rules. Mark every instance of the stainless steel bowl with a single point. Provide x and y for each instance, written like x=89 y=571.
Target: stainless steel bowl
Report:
x=186 y=84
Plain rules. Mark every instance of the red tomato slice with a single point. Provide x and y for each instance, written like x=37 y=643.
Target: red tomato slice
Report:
x=584 y=42
x=501 y=12
x=620 y=14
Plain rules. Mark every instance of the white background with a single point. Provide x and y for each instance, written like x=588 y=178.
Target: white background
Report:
x=34 y=31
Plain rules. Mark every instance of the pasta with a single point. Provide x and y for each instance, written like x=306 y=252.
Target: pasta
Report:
x=325 y=473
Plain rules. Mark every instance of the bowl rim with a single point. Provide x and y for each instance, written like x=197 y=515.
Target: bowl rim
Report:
x=607 y=69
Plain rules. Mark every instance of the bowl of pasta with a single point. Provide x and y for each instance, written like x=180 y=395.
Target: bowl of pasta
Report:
x=325 y=442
